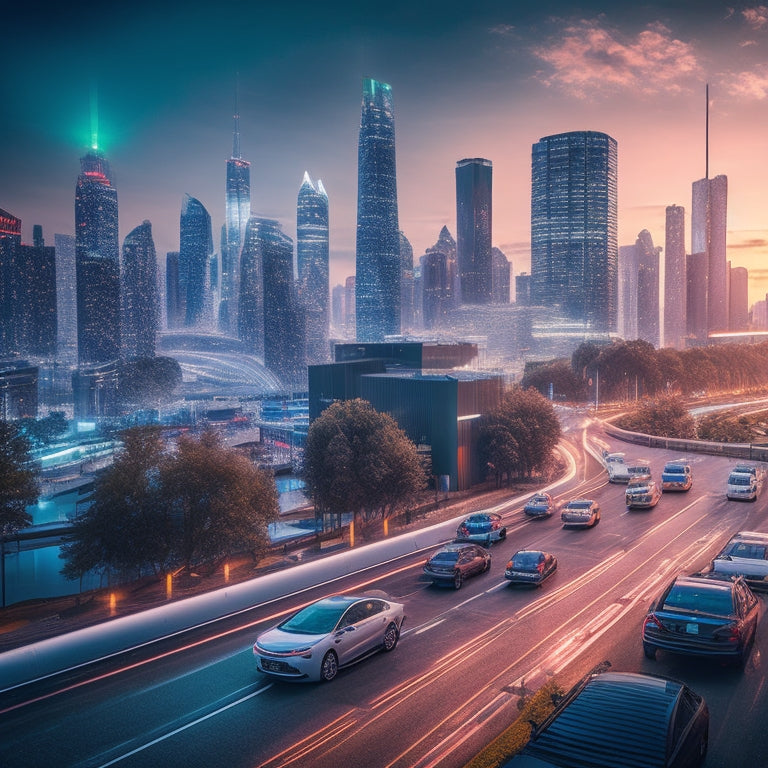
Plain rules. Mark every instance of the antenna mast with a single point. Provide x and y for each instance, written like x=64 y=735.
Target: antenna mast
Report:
x=706 y=137
x=236 y=137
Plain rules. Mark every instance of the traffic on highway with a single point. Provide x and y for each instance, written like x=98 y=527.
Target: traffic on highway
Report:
x=443 y=669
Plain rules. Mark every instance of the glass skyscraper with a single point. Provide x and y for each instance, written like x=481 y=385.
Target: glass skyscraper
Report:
x=474 y=190
x=377 y=273
x=140 y=294
x=238 y=210
x=196 y=247
x=574 y=245
x=675 y=280
x=313 y=263
x=97 y=262
x=250 y=317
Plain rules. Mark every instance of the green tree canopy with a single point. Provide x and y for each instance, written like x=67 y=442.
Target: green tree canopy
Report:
x=157 y=508
x=359 y=460
x=666 y=416
x=18 y=479
x=519 y=436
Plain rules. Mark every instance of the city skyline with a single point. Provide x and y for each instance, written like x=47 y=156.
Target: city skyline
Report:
x=485 y=84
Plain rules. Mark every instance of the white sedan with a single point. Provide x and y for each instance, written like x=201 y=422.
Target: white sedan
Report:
x=329 y=634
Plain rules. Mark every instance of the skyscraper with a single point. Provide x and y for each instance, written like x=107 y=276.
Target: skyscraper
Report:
x=250 y=316
x=66 y=296
x=377 y=278
x=574 y=247
x=97 y=262
x=238 y=211
x=439 y=280
x=284 y=324
x=502 y=276
x=34 y=299
x=474 y=187
x=738 y=308
x=313 y=264
x=196 y=247
x=626 y=324
x=174 y=298
x=407 y=318
x=10 y=241
x=140 y=295
x=708 y=237
x=675 y=281
x=648 y=313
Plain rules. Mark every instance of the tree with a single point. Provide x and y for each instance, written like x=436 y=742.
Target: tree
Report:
x=566 y=383
x=520 y=435
x=158 y=509
x=218 y=502
x=359 y=460
x=18 y=480
x=666 y=416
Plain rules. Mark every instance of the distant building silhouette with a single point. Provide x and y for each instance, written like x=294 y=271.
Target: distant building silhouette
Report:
x=337 y=310
x=10 y=241
x=697 y=285
x=175 y=300
x=378 y=265
x=574 y=248
x=628 y=270
x=312 y=257
x=439 y=280
x=196 y=247
x=523 y=289
x=140 y=295
x=474 y=188
x=350 y=314
x=97 y=258
x=648 y=308
x=66 y=296
x=738 y=314
x=675 y=280
x=502 y=271
x=250 y=317
x=407 y=318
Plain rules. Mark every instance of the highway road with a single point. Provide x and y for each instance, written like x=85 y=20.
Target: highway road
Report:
x=455 y=679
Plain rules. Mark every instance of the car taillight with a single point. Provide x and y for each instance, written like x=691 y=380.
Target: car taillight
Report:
x=651 y=620
x=510 y=565
x=731 y=633
x=540 y=567
x=464 y=531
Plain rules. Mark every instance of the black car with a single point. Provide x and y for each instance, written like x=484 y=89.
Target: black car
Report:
x=454 y=562
x=703 y=615
x=621 y=720
x=530 y=566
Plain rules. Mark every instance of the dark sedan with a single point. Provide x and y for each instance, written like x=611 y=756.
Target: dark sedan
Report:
x=703 y=615
x=454 y=562
x=539 y=505
x=530 y=566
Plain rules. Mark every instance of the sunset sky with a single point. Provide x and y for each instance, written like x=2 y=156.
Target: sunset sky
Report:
x=156 y=81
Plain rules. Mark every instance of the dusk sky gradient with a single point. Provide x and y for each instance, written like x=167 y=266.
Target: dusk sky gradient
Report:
x=479 y=79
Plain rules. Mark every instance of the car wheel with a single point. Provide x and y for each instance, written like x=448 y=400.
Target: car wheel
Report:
x=649 y=651
x=457 y=580
x=391 y=636
x=487 y=566
x=330 y=667
x=502 y=534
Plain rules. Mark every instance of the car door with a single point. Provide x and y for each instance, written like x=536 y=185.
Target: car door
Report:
x=361 y=626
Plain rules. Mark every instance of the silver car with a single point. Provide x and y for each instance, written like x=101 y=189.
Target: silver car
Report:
x=745 y=554
x=329 y=634
x=580 y=513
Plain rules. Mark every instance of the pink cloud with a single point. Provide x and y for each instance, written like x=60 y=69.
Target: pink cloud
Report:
x=589 y=58
x=752 y=84
x=756 y=17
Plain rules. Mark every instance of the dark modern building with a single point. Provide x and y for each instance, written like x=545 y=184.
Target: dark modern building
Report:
x=250 y=316
x=502 y=275
x=312 y=258
x=407 y=307
x=378 y=265
x=648 y=280
x=708 y=236
x=438 y=407
x=196 y=248
x=574 y=246
x=34 y=307
x=283 y=319
x=18 y=390
x=238 y=211
x=174 y=298
x=140 y=296
x=95 y=391
x=523 y=289
x=97 y=262
x=10 y=241
x=675 y=281
x=66 y=296
x=439 y=281
x=474 y=188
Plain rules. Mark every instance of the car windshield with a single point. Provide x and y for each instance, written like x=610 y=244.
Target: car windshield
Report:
x=674 y=469
x=316 y=619
x=445 y=557
x=539 y=500
x=746 y=549
x=687 y=598
x=579 y=505
x=526 y=559
x=740 y=479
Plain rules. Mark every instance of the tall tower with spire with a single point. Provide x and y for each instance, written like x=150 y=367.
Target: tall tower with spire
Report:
x=312 y=259
x=238 y=211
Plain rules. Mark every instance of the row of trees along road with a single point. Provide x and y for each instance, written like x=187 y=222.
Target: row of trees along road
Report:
x=624 y=370
x=160 y=509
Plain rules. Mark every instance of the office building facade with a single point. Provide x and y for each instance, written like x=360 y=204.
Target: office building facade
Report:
x=312 y=258
x=196 y=248
x=250 y=316
x=66 y=297
x=97 y=262
x=378 y=265
x=574 y=245
x=140 y=294
x=648 y=279
x=675 y=279
x=474 y=195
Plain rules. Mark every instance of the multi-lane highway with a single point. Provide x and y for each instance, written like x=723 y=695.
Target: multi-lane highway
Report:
x=463 y=661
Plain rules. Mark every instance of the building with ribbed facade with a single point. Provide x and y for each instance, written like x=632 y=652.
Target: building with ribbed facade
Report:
x=675 y=280
x=312 y=259
x=237 y=212
x=474 y=207
x=378 y=265
x=97 y=262
x=574 y=245
x=141 y=306
x=195 y=250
